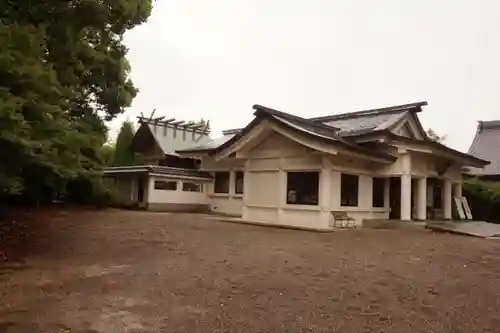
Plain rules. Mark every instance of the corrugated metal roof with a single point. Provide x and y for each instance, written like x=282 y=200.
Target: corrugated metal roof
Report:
x=486 y=145
x=209 y=145
x=170 y=142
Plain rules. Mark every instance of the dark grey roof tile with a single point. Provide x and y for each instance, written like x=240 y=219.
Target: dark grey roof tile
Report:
x=486 y=145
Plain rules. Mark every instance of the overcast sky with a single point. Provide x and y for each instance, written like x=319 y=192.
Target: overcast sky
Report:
x=215 y=59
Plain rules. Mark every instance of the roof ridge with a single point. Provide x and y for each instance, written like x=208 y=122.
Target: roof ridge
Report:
x=488 y=124
x=309 y=122
x=370 y=112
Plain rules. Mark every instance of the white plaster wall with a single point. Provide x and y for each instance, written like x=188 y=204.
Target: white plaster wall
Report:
x=176 y=197
x=364 y=210
x=265 y=196
x=230 y=203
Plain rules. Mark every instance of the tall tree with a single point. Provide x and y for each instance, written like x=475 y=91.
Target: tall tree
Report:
x=123 y=154
x=63 y=73
x=431 y=134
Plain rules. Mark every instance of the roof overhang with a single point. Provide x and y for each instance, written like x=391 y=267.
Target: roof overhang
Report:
x=436 y=148
x=158 y=171
x=194 y=153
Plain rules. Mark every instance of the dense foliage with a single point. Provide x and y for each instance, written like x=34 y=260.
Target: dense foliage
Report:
x=484 y=199
x=123 y=154
x=63 y=73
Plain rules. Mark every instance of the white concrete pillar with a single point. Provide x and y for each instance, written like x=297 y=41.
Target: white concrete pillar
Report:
x=447 y=199
x=430 y=194
x=325 y=191
x=232 y=181
x=406 y=197
x=387 y=193
x=406 y=187
x=246 y=178
x=457 y=189
x=422 y=199
x=282 y=190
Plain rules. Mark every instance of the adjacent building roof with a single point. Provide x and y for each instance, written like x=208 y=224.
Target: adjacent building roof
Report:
x=210 y=145
x=159 y=170
x=171 y=135
x=486 y=145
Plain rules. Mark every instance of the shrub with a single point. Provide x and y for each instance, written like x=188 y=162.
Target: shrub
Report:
x=483 y=198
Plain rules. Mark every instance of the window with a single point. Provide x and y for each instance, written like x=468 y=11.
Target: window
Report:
x=378 y=199
x=349 y=190
x=191 y=187
x=221 y=182
x=166 y=186
x=239 y=181
x=302 y=188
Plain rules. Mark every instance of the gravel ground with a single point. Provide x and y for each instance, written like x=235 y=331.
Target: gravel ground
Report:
x=121 y=271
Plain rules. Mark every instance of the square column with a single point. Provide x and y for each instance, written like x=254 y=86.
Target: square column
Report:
x=406 y=187
x=457 y=189
x=325 y=191
x=246 y=188
x=406 y=197
x=422 y=199
x=447 y=199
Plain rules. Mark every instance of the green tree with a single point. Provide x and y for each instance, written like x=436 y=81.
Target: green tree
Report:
x=107 y=153
x=431 y=134
x=63 y=73
x=123 y=154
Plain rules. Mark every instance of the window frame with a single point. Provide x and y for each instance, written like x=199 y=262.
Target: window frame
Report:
x=299 y=197
x=376 y=204
x=228 y=173
x=344 y=177
x=198 y=186
x=236 y=173
x=156 y=188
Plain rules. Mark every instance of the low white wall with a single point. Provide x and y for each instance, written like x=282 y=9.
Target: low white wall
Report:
x=224 y=203
x=176 y=197
x=364 y=210
x=308 y=218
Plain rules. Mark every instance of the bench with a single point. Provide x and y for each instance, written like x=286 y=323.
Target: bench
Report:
x=342 y=220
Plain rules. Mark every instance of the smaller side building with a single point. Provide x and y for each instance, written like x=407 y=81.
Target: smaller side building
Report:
x=486 y=145
x=167 y=182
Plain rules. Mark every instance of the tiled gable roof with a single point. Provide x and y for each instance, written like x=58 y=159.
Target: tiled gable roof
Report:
x=333 y=127
x=486 y=145
x=361 y=122
x=305 y=126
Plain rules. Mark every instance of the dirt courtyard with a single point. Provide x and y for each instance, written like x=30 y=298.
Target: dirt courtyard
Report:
x=122 y=271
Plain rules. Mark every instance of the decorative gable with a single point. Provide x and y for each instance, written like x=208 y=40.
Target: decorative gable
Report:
x=409 y=127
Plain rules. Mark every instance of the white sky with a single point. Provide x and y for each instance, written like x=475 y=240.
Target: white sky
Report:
x=215 y=59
